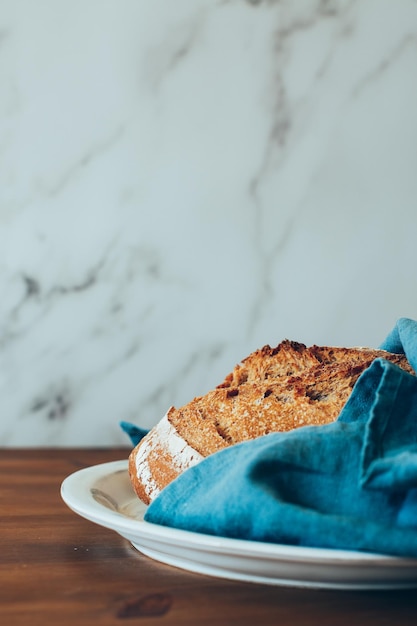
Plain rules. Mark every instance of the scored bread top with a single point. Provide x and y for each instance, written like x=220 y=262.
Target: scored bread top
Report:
x=290 y=358
x=272 y=390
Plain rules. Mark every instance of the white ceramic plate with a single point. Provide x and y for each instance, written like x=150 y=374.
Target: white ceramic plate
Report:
x=103 y=494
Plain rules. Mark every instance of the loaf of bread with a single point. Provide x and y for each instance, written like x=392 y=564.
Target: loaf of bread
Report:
x=272 y=390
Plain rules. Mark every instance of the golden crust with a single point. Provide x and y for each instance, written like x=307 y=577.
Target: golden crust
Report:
x=290 y=358
x=272 y=390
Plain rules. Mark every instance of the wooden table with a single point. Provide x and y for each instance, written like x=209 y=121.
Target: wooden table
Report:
x=59 y=569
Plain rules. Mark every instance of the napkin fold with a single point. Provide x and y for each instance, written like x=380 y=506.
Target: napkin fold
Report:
x=348 y=485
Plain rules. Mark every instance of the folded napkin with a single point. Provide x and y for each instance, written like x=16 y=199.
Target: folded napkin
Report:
x=350 y=485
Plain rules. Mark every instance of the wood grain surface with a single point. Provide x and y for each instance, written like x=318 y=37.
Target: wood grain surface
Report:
x=57 y=568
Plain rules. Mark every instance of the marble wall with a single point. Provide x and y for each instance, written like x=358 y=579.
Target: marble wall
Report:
x=183 y=182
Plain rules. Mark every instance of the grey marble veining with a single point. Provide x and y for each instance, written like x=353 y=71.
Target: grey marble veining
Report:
x=181 y=183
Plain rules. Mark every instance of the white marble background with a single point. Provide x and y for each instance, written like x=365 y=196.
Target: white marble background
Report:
x=183 y=182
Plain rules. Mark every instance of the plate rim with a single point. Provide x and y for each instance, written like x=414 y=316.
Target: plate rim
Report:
x=77 y=495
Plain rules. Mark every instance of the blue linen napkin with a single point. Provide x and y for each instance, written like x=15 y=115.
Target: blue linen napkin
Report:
x=135 y=433
x=349 y=485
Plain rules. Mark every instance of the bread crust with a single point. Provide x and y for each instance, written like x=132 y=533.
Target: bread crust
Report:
x=272 y=390
x=159 y=458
